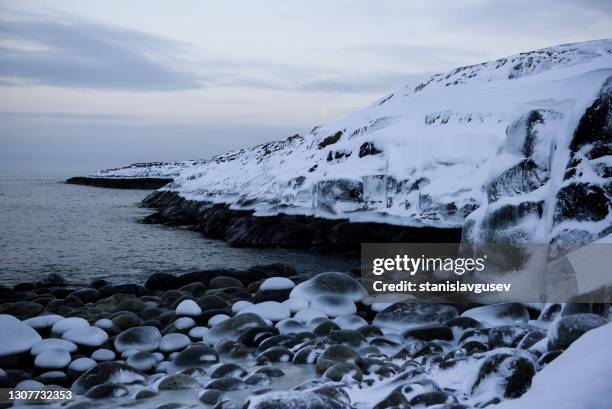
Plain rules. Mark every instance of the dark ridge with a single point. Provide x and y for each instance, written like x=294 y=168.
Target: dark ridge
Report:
x=120 y=183
x=241 y=229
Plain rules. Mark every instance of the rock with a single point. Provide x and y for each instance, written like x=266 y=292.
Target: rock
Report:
x=343 y=372
x=403 y=315
x=334 y=305
x=240 y=305
x=80 y=365
x=511 y=374
x=43 y=322
x=89 y=336
x=131 y=305
x=144 y=394
x=290 y=326
x=176 y=382
x=571 y=327
x=429 y=333
x=309 y=314
x=126 y=320
x=224 y=282
x=433 y=398
x=106 y=372
x=277 y=283
x=162 y=281
x=329 y=283
x=258 y=379
x=228 y=369
x=325 y=328
x=350 y=321
x=195 y=356
x=294 y=400
x=218 y=318
x=296 y=304
x=270 y=310
x=53 y=280
x=271 y=371
x=139 y=338
x=86 y=295
x=52 y=343
x=16 y=338
x=306 y=355
x=211 y=302
x=107 y=391
x=174 y=342
x=226 y=384
x=252 y=337
x=233 y=328
x=498 y=314
x=210 y=396
x=189 y=308
x=335 y=354
x=274 y=354
x=142 y=360
x=52 y=359
x=103 y=354
x=507 y=335
x=344 y=336
x=22 y=309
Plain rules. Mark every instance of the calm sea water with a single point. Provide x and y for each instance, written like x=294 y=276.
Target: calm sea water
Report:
x=84 y=232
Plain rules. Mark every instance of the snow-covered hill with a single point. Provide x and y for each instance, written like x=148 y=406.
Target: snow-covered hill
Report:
x=146 y=170
x=519 y=148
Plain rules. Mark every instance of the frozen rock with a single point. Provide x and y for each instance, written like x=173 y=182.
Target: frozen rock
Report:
x=188 y=308
x=198 y=332
x=195 y=356
x=103 y=354
x=404 y=315
x=52 y=359
x=329 y=283
x=139 y=338
x=106 y=372
x=563 y=333
x=294 y=399
x=80 y=365
x=233 y=328
x=334 y=305
x=107 y=391
x=309 y=314
x=104 y=323
x=336 y=354
x=291 y=326
x=296 y=304
x=509 y=373
x=88 y=336
x=277 y=283
x=350 y=321
x=53 y=343
x=15 y=336
x=271 y=310
x=43 y=321
x=173 y=342
x=176 y=382
x=143 y=361
x=240 y=305
x=184 y=323
x=498 y=314
x=216 y=319
x=66 y=324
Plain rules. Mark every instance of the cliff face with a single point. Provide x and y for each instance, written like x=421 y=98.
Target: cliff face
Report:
x=512 y=149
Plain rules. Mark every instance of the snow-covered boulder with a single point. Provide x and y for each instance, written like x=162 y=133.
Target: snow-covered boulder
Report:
x=15 y=337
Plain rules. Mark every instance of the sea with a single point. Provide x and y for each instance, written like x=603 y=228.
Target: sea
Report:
x=85 y=233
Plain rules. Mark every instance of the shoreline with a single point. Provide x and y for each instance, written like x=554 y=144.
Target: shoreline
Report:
x=228 y=337
x=120 y=183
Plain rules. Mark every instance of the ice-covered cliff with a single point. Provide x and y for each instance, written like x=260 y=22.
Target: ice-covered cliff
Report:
x=520 y=148
x=147 y=170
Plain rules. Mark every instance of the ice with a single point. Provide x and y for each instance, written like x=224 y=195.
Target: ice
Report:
x=184 y=323
x=270 y=310
x=104 y=323
x=53 y=343
x=198 y=332
x=89 y=336
x=67 y=324
x=332 y=283
x=334 y=305
x=277 y=283
x=189 y=308
x=15 y=336
x=350 y=321
x=308 y=314
x=145 y=338
x=43 y=321
x=103 y=354
x=240 y=305
x=52 y=359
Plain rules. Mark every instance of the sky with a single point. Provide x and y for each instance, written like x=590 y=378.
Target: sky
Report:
x=87 y=84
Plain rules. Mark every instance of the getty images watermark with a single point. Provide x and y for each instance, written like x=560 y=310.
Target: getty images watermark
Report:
x=453 y=272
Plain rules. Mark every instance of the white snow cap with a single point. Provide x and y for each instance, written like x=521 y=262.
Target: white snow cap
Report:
x=15 y=336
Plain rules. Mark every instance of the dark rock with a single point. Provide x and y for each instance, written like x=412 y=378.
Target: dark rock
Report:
x=512 y=374
x=433 y=398
x=508 y=335
x=429 y=333
x=228 y=369
x=226 y=384
x=271 y=371
x=254 y=336
x=53 y=280
x=211 y=302
x=120 y=183
x=306 y=355
x=224 y=282
x=106 y=372
x=325 y=328
x=405 y=315
x=126 y=320
x=22 y=310
x=343 y=371
x=144 y=394
x=86 y=295
x=210 y=396
x=344 y=336
x=176 y=382
x=194 y=356
x=572 y=327
x=274 y=354
x=335 y=354
x=139 y=338
x=258 y=379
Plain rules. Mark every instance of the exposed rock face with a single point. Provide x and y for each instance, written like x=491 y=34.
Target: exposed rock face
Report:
x=120 y=183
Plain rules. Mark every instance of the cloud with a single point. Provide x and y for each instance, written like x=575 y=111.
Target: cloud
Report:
x=366 y=83
x=71 y=53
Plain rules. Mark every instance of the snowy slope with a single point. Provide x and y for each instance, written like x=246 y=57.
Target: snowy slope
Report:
x=497 y=137
x=147 y=170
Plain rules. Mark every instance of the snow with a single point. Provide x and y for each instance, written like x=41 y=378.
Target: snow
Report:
x=240 y=305
x=269 y=310
x=43 y=321
x=188 y=307
x=52 y=343
x=104 y=323
x=184 y=323
x=147 y=170
x=350 y=321
x=277 y=283
x=173 y=342
x=144 y=338
x=16 y=337
x=67 y=324
x=578 y=378
x=82 y=364
x=89 y=336
x=198 y=332
x=52 y=359
x=103 y=354
x=295 y=304
x=214 y=320
x=308 y=314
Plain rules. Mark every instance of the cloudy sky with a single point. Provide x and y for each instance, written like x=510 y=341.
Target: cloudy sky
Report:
x=88 y=84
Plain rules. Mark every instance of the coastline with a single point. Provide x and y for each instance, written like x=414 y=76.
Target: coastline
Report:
x=120 y=183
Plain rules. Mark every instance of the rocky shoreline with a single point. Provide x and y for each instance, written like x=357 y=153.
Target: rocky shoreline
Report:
x=269 y=338
x=242 y=229
x=120 y=183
